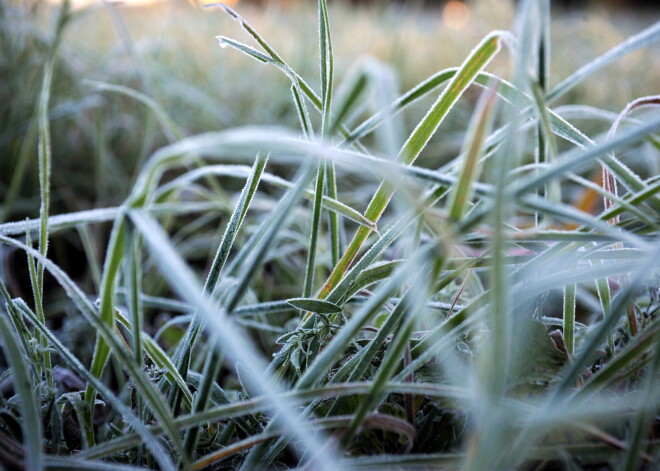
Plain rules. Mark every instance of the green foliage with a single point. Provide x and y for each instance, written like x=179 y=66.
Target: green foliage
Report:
x=370 y=301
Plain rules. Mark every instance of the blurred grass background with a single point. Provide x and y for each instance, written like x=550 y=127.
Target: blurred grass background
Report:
x=168 y=50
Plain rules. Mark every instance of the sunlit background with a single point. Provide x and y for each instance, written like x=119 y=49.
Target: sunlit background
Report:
x=168 y=49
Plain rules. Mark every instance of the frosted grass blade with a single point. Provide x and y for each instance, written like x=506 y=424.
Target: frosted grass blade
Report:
x=242 y=171
x=88 y=310
x=477 y=60
x=234 y=343
x=594 y=340
x=29 y=403
x=479 y=128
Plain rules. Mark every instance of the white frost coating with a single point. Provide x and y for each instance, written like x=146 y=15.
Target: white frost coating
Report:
x=222 y=42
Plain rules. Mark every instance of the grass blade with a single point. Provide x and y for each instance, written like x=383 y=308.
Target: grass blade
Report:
x=141 y=381
x=477 y=60
x=22 y=381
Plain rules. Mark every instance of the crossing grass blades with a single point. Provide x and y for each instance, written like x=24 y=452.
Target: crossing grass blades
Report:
x=360 y=311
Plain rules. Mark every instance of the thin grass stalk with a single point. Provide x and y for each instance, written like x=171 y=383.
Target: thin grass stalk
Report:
x=310 y=266
x=568 y=323
x=327 y=81
x=45 y=159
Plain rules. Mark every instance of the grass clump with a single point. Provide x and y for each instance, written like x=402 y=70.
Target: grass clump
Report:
x=360 y=309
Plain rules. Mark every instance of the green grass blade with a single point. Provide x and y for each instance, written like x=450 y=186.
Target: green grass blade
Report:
x=145 y=436
x=477 y=60
x=475 y=63
x=479 y=128
x=618 y=308
x=29 y=402
x=303 y=114
x=326 y=63
x=110 y=341
x=114 y=256
x=568 y=325
x=233 y=341
x=310 y=266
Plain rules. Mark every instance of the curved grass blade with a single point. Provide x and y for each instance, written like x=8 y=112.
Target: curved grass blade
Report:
x=262 y=403
x=93 y=216
x=151 y=394
x=242 y=171
x=172 y=130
